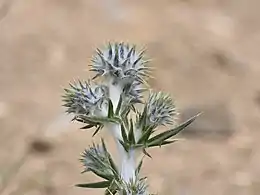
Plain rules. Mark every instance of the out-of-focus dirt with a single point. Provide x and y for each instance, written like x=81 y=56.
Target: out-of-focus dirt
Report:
x=206 y=52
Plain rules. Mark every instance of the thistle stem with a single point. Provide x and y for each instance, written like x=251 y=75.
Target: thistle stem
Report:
x=128 y=166
x=126 y=159
x=115 y=91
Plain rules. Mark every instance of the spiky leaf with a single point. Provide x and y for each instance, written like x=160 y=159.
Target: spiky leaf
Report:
x=158 y=139
x=101 y=184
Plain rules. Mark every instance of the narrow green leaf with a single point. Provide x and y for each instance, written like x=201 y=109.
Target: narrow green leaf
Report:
x=87 y=126
x=84 y=119
x=85 y=171
x=113 y=165
x=118 y=108
x=158 y=139
x=125 y=146
x=145 y=112
x=110 y=109
x=143 y=178
x=137 y=171
x=101 y=174
x=146 y=134
x=125 y=111
x=97 y=130
x=138 y=146
x=104 y=145
x=126 y=122
x=78 y=120
x=95 y=120
x=96 y=76
x=133 y=108
x=101 y=184
x=146 y=153
x=123 y=132
x=161 y=144
x=131 y=136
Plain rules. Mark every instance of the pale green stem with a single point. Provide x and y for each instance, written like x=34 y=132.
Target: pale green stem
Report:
x=127 y=159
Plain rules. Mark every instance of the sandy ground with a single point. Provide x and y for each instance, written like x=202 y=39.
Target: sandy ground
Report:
x=206 y=54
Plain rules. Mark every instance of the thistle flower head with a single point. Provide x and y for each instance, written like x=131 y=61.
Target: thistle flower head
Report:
x=84 y=98
x=138 y=187
x=160 y=109
x=120 y=62
x=96 y=158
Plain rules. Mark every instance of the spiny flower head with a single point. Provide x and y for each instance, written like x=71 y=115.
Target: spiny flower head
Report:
x=138 y=187
x=160 y=109
x=120 y=62
x=85 y=98
x=96 y=158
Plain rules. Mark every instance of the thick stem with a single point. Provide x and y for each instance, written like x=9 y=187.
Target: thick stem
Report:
x=128 y=166
x=114 y=92
x=127 y=159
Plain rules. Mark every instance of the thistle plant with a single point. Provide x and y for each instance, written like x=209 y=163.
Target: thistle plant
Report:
x=109 y=101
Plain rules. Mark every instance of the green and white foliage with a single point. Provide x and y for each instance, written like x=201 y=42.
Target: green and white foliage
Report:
x=110 y=104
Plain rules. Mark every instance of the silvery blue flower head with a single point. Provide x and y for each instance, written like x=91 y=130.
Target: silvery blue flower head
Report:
x=160 y=109
x=138 y=187
x=85 y=98
x=121 y=63
x=96 y=159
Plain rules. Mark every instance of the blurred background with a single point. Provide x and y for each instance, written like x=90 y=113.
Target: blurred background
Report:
x=206 y=54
